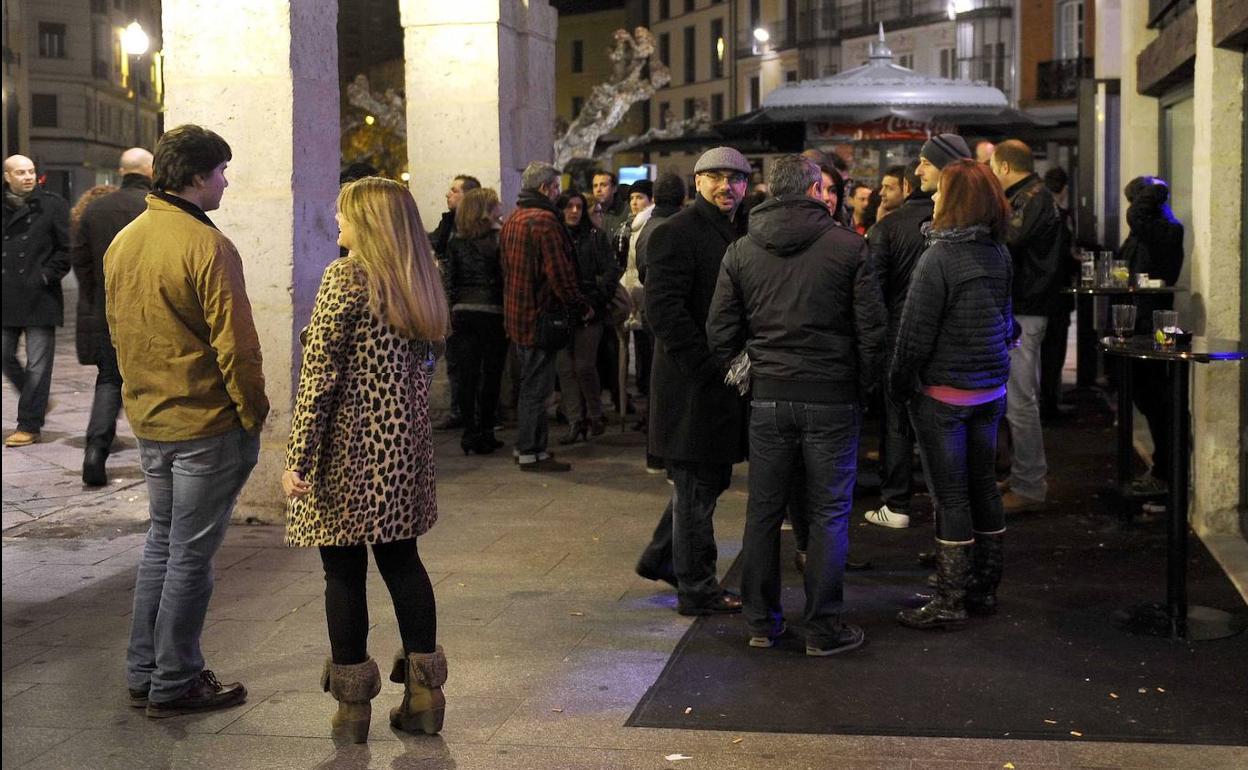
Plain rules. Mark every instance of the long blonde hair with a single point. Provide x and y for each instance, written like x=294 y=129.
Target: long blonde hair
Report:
x=404 y=288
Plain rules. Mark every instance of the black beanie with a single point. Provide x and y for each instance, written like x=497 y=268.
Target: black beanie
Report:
x=942 y=148
x=645 y=187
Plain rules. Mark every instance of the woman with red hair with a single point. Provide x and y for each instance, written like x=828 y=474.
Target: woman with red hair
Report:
x=950 y=365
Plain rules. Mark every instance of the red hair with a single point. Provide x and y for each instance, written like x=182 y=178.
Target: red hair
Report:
x=971 y=195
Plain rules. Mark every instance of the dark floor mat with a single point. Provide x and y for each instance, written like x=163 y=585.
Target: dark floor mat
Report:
x=1053 y=664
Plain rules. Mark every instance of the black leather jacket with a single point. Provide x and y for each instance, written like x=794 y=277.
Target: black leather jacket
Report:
x=1035 y=242
x=474 y=277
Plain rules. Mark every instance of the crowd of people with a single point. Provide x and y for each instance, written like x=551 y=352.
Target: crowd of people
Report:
x=761 y=326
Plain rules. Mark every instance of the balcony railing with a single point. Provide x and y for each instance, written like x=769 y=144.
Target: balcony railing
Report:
x=1059 y=79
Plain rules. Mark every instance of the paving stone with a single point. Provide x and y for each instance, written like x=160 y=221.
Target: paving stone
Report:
x=171 y=746
x=24 y=744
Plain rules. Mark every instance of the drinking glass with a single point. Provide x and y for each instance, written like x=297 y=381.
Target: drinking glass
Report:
x=1087 y=274
x=1124 y=321
x=1104 y=270
x=1122 y=274
x=1165 y=325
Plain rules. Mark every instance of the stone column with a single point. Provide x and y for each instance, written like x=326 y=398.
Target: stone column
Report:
x=1216 y=265
x=480 y=94
x=264 y=75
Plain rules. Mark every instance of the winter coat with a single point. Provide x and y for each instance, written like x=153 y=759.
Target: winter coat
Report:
x=799 y=294
x=473 y=273
x=896 y=244
x=1154 y=246
x=539 y=272
x=441 y=235
x=597 y=272
x=35 y=259
x=694 y=416
x=957 y=323
x=659 y=214
x=99 y=224
x=360 y=432
x=1035 y=240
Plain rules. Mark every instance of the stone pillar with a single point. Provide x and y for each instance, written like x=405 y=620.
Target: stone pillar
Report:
x=1216 y=265
x=480 y=94
x=264 y=75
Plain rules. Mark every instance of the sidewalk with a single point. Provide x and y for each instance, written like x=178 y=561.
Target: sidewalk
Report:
x=550 y=637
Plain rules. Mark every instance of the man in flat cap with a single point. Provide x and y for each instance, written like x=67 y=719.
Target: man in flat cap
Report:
x=697 y=423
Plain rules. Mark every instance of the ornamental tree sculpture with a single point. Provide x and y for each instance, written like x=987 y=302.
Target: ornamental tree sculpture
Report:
x=374 y=127
x=607 y=104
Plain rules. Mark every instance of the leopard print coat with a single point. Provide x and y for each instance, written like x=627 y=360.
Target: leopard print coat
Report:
x=360 y=433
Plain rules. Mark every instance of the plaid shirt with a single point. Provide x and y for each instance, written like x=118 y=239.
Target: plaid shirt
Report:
x=539 y=267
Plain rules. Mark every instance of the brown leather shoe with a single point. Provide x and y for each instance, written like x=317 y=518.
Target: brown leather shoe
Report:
x=21 y=438
x=727 y=604
x=1016 y=503
x=206 y=694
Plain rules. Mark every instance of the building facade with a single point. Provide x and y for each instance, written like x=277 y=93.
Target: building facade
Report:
x=84 y=99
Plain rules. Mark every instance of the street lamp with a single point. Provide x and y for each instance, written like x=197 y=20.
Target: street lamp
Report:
x=134 y=42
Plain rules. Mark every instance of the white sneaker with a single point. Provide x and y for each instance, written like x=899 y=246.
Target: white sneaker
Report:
x=886 y=517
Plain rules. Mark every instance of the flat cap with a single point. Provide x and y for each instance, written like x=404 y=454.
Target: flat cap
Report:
x=722 y=158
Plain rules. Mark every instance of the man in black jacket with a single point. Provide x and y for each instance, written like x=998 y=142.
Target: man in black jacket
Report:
x=36 y=258
x=896 y=245
x=697 y=423
x=1035 y=243
x=799 y=295
x=100 y=222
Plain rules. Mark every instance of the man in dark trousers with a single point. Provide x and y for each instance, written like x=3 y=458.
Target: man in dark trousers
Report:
x=800 y=295
x=697 y=423
x=897 y=242
x=1035 y=241
x=36 y=258
x=100 y=223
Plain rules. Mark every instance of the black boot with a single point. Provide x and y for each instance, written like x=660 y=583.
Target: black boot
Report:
x=947 y=610
x=93 y=459
x=988 y=557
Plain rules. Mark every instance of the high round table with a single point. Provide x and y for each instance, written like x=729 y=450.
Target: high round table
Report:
x=1085 y=301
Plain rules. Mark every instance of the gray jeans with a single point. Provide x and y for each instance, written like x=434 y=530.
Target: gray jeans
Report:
x=578 y=375
x=537 y=382
x=192 y=486
x=1022 y=411
x=33 y=380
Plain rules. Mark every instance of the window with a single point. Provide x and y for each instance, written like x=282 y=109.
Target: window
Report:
x=43 y=111
x=756 y=97
x=578 y=102
x=717 y=48
x=690 y=108
x=947 y=59
x=665 y=109
x=665 y=49
x=1070 y=29
x=691 y=50
x=578 y=56
x=906 y=60
x=645 y=114
x=689 y=6
x=790 y=76
x=717 y=107
x=51 y=40
x=755 y=13
x=665 y=9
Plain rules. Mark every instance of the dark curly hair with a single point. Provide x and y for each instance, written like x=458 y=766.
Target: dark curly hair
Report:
x=184 y=152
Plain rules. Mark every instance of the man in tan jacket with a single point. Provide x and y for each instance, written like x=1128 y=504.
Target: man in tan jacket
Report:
x=193 y=388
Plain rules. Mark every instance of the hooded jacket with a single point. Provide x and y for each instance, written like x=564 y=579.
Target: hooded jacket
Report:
x=800 y=295
x=1154 y=246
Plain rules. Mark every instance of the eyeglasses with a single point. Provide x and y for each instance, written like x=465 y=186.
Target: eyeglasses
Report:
x=734 y=178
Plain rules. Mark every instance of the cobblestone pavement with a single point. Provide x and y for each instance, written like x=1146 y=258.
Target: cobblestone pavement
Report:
x=551 y=638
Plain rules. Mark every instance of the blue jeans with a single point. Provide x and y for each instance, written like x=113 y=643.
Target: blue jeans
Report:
x=192 y=487
x=1023 y=411
x=33 y=380
x=959 y=449
x=822 y=438
x=537 y=382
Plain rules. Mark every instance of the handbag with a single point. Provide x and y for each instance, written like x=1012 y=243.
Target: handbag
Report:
x=554 y=328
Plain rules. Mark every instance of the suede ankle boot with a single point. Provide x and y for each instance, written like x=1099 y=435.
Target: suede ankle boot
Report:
x=424 y=705
x=353 y=686
x=988 y=562
x=947 y=610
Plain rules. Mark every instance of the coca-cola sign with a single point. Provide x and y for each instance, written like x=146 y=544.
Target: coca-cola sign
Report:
x=888 y=129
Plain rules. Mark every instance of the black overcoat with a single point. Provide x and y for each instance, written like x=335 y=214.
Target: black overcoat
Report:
x=694 y=416
x=36 y=258
x=98 y=225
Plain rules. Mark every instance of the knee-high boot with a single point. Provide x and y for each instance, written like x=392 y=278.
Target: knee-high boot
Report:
x=953 y=573
x=424 y=706
x=988 y=557
x=353 y=686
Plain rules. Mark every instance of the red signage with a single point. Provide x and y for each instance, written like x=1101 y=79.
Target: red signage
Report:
x=889 y=129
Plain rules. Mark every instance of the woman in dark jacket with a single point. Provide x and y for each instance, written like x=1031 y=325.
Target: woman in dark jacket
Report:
x=950 y=364
x=474 y=288
x=597 y=273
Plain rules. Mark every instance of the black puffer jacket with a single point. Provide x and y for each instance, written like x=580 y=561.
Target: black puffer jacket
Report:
x=799 y=294
x=957 y=324
x=896 y=243
x=1035 y=241
x=474 y=277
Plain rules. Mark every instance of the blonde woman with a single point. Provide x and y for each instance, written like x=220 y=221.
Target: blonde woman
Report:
x=359 y=465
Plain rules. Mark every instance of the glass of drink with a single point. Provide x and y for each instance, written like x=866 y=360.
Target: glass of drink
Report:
x=1165 y=326
x=1123 y=317
x=1105 y=270
x=1121 y=273
x=1087 y=274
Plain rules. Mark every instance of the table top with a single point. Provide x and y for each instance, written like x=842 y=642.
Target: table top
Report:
x=1201 y=350
x=1116 y=291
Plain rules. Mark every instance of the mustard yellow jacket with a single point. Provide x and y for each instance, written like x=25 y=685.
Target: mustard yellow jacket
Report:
x=181 y=322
